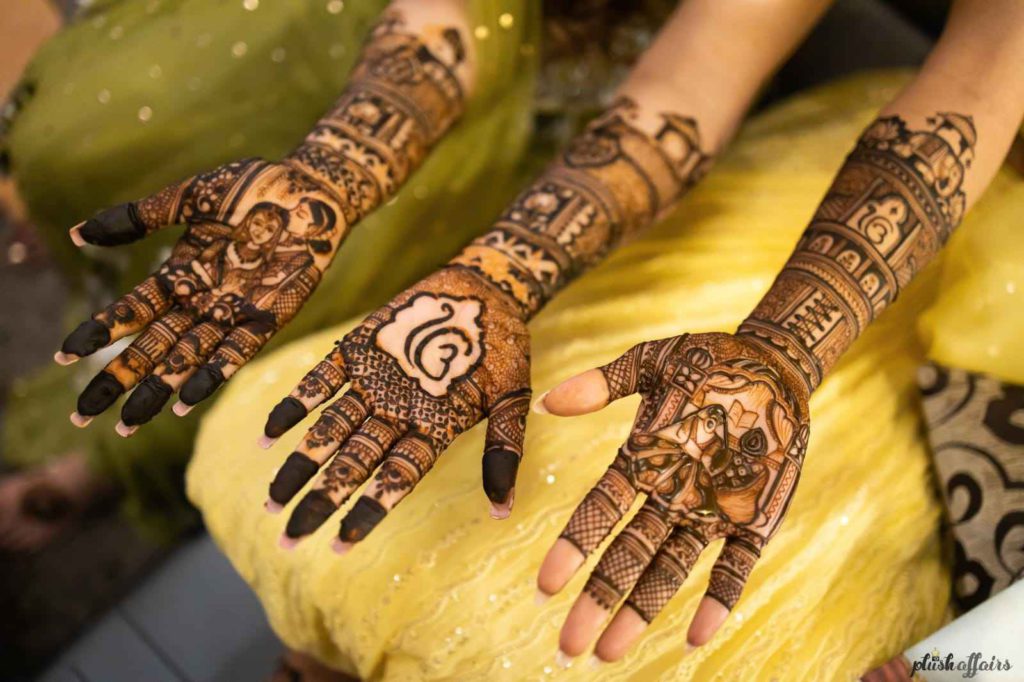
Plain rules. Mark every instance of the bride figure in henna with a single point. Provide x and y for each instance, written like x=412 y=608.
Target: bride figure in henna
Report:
x=259 y=235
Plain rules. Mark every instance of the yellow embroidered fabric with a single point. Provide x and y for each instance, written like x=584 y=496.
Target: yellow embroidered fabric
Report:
x=440 y=591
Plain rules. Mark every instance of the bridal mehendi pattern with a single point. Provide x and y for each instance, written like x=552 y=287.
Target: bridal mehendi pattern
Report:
x=259 y=234
x=454 y=348
x=612 y=181
x=431 y=364
x=890 y=209
x=720 y=436
x=716 y=448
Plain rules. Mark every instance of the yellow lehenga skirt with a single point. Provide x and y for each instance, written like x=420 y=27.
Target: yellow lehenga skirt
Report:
x=442 y=592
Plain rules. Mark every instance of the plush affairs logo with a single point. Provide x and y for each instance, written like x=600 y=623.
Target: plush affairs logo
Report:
x=970 y=667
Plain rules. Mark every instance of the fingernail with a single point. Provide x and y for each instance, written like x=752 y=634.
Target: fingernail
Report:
x=124 y=430
x=62 y=358
x=272 y=507
x=503 y=510
x=266 y=442
x=340 y=547
x=181 y=409
x=689 y=649
x=285 y=542
x=594 y=663
x=541 y=598
x=80 y=421
x=76 y=234
x=538 y=405
x=563 y=660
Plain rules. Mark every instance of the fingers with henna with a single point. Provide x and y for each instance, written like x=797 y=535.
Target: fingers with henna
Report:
x=125 y=316
x=503 y=449
x=355 y=462
x=153 y=392
x=400 y=472
x=128 y=368
x=658 y=584
x=322 y=440
x=320 y=384
x=590 y=524
x=616 y=573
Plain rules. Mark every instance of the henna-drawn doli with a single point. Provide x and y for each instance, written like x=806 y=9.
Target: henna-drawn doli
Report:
x=260 y=234
x=454 y=348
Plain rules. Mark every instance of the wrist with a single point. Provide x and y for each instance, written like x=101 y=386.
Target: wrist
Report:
x=785 y=348
x=498 y=275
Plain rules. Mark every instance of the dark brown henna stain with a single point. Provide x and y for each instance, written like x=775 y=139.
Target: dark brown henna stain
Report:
x=506 y=430
x=612 y=181
x=890 y=209
x=310 y=513
x=148 y=398
x=203 y=383
x=86 y=339
x=365 y=515
x=284 y=416
x=716 y=449
x=99 y=394
x=114 y=226
x=294 y=473
x=259 y=235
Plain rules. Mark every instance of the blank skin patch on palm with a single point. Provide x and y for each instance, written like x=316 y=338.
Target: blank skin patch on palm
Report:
x=435 y=339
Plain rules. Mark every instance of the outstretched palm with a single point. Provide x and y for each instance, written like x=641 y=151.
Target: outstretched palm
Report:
x=258 y=237
x=440 y=357
x=716 y=448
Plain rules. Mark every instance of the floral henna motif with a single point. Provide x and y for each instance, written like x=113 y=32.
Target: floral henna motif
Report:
x=260 y=235
x=439 y=358
x=716 y=450
x=893 y=205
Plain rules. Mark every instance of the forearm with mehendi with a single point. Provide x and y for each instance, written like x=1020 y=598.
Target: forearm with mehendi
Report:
x=681 y=103
x=898 y=197
x=406 y=91
x=611 y=181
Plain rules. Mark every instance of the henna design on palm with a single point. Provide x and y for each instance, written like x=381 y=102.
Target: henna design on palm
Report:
x=259 y=235
x=439 y=358
x=719 y=440
x=716 y=450
x=431 y=364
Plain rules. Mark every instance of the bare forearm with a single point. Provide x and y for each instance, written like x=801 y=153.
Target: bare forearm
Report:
x=902 y=191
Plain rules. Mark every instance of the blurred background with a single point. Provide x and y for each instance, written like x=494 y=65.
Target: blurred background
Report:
x=87 y=578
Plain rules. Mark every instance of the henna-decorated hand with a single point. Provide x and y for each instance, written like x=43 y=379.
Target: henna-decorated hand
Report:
x=716 y=449
x=259 y=236
x=441 y=356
